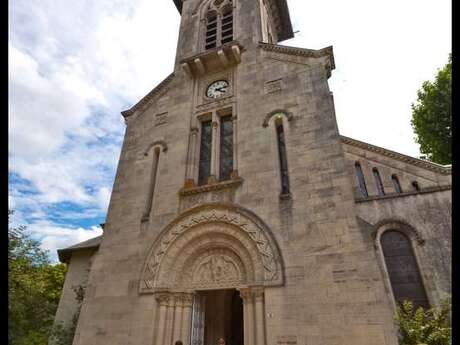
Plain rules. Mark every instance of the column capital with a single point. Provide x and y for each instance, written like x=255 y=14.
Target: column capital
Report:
x=163 y=298
x=246 y=294
x=215 y=124
x=194 y=130
x=258 y=293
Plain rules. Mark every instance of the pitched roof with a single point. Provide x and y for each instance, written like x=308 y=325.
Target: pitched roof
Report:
x=281 y=11
x=65 y=254
x=441 y=169
x=147 y=98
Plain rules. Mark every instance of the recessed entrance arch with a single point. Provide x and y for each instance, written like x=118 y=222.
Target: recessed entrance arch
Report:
x=211 y=247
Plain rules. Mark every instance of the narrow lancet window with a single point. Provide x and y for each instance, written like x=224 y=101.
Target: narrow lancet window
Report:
x=283 y=159
x=406 y=281
x=227 y=25
x=205 y=153
x=226 y=148
x=361 y=181
x=396 y=184
x=152 y=183
x=378 y=182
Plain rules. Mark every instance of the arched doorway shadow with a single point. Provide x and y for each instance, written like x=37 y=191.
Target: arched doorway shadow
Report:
x=209 y=248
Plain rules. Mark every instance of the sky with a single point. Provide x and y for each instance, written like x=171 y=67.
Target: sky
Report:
x=75 y=65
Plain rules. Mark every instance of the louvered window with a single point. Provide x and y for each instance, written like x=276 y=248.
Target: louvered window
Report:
x=227 y=26
x=211 y=31
x=403 y=271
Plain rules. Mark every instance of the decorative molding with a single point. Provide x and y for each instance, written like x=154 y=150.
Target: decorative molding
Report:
x=279 y=10
x=210 y=105
x=427 y=190
x=208 y=225
x=397 y=224
x=289 y=116
x=444 y=170
x=157 y=91
x=161 y=119
x=273 y=86
x=211 y=187
x=309 y=53
x=161 y=143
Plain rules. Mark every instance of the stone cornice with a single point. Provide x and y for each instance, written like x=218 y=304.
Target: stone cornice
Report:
x=311 y=53
x=151 y=95
x=400 y=195
x=211 y=187
x=444 y=170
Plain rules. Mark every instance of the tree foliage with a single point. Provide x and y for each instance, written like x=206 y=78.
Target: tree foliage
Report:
x=424 y=327
x=432 y=117
x=34 y=289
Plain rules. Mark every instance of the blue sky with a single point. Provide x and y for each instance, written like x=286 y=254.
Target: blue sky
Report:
x=75 y=65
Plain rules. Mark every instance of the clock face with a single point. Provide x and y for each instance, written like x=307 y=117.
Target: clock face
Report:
x=217 y=89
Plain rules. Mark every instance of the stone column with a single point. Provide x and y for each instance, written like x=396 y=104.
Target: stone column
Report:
x=177 y=326
x=260 y=316
x=186 y=318
x=214 y=149
x=191 y=164
x=248 y=316
x=235 y=147
x=163 y=301
x=169 y=322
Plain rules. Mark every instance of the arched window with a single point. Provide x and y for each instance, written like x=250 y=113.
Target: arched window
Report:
x=378 y=182
x=152 y=183
x=283 y=158
x=406 y=281
x=219 y=23
x=396 y=184
x=416 y=186
x=361 y=181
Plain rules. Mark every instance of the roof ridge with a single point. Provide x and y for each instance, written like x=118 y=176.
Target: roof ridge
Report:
x=147 y=98
x=435 y=167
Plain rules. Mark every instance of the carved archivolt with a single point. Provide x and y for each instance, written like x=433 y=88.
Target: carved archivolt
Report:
x=213 y=246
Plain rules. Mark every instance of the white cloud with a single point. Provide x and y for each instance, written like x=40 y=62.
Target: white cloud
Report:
x=54 y=237
x=383 y=52
x=74 y=65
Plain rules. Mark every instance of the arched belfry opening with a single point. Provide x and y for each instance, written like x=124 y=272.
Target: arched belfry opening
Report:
x=208 y=270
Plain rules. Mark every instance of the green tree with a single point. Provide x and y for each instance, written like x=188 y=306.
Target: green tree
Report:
x=34 y=289
x=424 y=327
x=432 y=117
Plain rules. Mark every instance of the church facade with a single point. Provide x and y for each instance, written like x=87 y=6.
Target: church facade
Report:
x=238 y=211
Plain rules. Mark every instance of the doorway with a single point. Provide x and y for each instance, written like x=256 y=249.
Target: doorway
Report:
x=217 y=314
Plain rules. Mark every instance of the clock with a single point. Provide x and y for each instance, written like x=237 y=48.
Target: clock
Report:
x=217 y=89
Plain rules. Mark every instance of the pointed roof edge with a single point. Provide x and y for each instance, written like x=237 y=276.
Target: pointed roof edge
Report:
x=442 y=169
x=327 y=51
x=147 y=98
x=65 y=253
x=284 y=31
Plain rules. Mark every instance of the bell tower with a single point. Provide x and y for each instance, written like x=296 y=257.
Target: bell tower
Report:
x=214 y=25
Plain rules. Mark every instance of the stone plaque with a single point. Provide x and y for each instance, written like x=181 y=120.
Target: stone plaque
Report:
x=274 y=86
x=161 y=119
